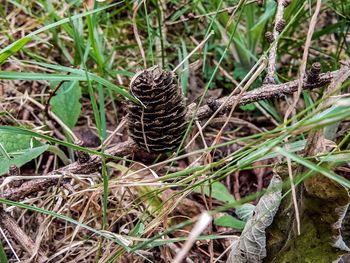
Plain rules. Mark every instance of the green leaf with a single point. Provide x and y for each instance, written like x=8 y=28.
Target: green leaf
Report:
x=18 y=45
x=3 y=257
x=229 y=221
x=18 y=149
x=218 y=191
x=66 y=104
x=21 y=158
x=12 y=142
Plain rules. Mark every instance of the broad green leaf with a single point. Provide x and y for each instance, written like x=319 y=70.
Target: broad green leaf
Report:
x=18 y=45
x=20 y=158
x=218 y=191
x=18 y=149
x=66 y=103
x=12 y=142
x=229 y=221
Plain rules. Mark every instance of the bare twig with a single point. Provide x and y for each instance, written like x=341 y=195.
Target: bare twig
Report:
x=263 y=93
x=191 y=16
x=129 y=147
x=19 y=235
x=199 y=227
x=93 y=165
x=194 y=50
x=136 y=32
x=279 y=22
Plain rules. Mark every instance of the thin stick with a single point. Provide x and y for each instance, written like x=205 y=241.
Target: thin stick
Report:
x=193 y=51
x=222 y=105
x=204 y=220
x=136 y=32
x=9 y=244
x=271 y=69
x=54 y=117
x=246 y=86
x=20 y=236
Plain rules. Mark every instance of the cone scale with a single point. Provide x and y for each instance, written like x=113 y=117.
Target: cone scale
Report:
x=159 y=124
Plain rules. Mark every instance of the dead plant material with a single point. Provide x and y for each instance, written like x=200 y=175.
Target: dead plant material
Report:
x=129 y=147
x=8 y=223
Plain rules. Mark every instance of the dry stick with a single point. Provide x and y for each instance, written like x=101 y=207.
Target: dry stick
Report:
x=271 y=69
x=136 y=32
x=128 y=147
x=227 y=9
x=235 y=82
x=193 y=51
x=296 y=96
x=230 y=20
x=246 y=86
x=202 y=223
x=92 y=166
x=263 y=93
x=222 y=105
x=9 y=244
x=20 y=236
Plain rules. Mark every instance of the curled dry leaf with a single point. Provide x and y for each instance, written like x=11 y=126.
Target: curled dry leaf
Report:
x=251 y=246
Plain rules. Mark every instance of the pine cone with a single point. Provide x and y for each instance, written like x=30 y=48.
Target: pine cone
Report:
x=159 y=124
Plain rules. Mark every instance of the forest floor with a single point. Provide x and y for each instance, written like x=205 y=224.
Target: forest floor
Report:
x=75 y=188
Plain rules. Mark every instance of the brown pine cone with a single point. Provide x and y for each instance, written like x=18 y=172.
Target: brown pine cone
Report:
x=159 y=124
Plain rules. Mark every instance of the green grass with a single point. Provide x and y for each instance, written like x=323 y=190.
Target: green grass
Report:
x=95 y=48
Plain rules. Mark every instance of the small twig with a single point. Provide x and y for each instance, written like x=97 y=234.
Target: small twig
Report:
x=20 y=236
x=136 y=32
x=112 y=135
x=263 y=93
x=92 y=166
x=129 y=147
x=193 y=51
x=9 y=244
x=243 y=90
x=279 y=22
x=51 y=114
x=218 y=107
x=51 y=94
x=302 y=67
x=202 y=223
x=191 y=16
